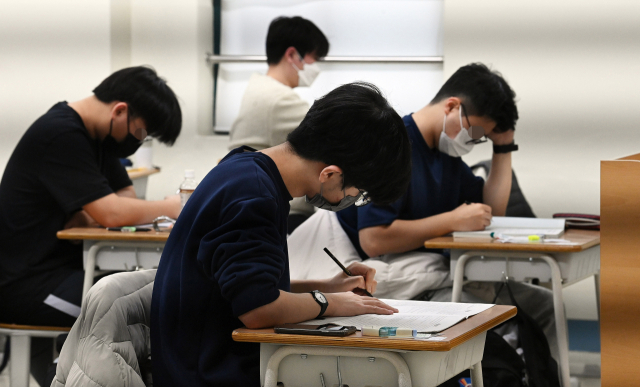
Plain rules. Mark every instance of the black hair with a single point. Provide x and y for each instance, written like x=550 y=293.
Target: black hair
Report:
x=285 y=32
x=484 y=93
x=355 y=128
x=148 y=97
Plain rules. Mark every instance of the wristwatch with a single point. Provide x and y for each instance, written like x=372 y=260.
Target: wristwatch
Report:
x=321 y=300
x=505 y=148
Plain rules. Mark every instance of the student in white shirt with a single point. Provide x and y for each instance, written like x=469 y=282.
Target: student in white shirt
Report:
x=270 y=109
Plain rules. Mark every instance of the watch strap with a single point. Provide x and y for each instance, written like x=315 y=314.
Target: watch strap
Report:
x=323 y=305
x=505 y=148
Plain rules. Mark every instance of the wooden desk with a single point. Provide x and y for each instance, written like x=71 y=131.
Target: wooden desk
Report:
x=488 y=260
x=113 y=250
x=373 y=360
x=139 y=178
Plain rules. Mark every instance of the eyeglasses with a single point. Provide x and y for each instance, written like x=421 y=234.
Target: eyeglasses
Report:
x=139 y=133
x=475 y=132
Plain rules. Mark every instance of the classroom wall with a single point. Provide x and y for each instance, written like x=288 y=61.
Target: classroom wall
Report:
x=49 y=52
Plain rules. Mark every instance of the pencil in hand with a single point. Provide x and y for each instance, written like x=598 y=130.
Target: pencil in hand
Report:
x=344 y=269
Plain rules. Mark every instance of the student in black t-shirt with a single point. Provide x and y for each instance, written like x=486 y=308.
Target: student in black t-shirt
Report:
x=65 y=173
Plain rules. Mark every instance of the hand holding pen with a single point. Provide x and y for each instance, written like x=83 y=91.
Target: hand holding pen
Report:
x=366 y=272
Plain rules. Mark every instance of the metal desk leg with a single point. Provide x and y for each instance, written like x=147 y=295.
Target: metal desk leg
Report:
x=561 y=319
x=271 y=375
x=20 y=360
x=558 y=303
x=476 y=375
x=458 y=278
x=90 y=264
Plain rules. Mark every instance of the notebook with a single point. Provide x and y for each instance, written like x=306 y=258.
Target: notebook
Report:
x=513 y=226
x=423 y=316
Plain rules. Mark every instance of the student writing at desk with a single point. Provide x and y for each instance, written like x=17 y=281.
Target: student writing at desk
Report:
x=225 y=263
x=473 y=104
x=65 y=173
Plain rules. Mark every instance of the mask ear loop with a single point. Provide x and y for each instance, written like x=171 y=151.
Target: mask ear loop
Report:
x=460 y=117
x=444 y=123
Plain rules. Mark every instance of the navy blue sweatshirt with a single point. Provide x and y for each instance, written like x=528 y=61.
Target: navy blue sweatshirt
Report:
x=226 y=256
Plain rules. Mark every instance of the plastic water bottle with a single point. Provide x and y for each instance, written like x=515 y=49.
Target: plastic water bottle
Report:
x=187 y=187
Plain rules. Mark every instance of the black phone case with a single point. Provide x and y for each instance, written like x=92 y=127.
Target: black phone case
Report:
x=317 y=330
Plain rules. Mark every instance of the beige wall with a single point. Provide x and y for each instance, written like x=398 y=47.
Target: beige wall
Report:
x=575 y=67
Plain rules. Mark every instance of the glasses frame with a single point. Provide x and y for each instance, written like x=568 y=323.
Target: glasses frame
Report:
x=470 y=130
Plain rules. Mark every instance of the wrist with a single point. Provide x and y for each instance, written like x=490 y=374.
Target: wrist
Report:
x=331 y=308
x=505 y=148
x=321 y=300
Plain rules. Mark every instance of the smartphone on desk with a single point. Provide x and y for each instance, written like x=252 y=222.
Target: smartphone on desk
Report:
x=320 y=330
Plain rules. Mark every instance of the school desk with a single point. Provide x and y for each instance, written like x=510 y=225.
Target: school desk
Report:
x=115 y=250
x=139 y=178
x=359 y=361
x=480 y=259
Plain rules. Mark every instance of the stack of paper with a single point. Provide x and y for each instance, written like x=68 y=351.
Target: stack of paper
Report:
x=512 y=226
x=423 y=316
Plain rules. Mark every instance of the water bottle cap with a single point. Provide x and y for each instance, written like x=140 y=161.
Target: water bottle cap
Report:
x=189 y=173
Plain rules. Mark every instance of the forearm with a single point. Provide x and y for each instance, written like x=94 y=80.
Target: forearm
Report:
x=498 y=186
x=404 y=235
x=115 y=211
x=287 y=308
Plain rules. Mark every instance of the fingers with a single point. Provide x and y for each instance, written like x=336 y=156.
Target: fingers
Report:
x=378 y=307
x=369 y=273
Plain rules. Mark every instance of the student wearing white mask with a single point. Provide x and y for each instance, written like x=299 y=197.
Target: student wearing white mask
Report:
x=473 y=106
x=270 y=108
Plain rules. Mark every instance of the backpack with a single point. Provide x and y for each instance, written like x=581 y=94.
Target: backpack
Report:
x=502 y=366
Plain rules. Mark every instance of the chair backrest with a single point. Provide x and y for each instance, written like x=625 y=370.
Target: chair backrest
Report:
x=111 y=335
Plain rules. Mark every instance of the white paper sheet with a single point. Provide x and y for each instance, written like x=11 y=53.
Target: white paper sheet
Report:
x=424 y=316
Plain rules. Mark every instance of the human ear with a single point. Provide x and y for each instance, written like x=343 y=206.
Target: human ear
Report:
x=330 y=172
x=291 y=55
x=119 y=109
x=452 y=103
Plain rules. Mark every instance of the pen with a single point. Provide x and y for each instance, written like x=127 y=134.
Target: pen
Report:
x=128 y=229
x=346 y=271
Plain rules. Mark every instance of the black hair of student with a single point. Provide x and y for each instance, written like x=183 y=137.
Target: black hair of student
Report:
x=147 y=97
x=285 y=32
x=355 y=128
x=484 y=93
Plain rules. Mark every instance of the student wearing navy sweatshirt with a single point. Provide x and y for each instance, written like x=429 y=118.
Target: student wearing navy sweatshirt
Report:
x=226 y=265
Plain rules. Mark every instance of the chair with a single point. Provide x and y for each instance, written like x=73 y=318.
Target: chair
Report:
x=518 y=205
x=109 y=342
x=20 y=349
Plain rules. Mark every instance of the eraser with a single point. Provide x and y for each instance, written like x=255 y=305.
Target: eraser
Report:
x=370 y=331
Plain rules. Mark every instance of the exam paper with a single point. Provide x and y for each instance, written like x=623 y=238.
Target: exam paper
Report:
x=424 y=316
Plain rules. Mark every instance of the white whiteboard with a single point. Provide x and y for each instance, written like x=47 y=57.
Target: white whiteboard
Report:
x=354 y=28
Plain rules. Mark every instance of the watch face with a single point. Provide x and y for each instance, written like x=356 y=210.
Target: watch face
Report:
x=320 y=297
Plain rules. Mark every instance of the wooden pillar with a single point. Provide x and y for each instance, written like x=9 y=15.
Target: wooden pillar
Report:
x=620 y=271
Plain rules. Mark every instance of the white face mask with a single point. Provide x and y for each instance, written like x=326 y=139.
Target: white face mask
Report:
x=459 y=146
x=308 y=74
